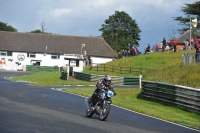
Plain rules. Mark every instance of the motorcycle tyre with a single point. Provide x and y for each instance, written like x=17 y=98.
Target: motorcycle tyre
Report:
x=89 y=113
x=102 y=118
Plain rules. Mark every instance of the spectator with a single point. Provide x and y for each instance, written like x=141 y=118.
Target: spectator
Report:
x=175 y=42
x=167 y=48
x=154 y=48
x=123 y=53
x=119 y=55
x=197 y=48
x=186 y=44
x=198 y=52
x=157 y=47
x=131 y=52
x=160 y=46
x=164 y=44
x=135 y=51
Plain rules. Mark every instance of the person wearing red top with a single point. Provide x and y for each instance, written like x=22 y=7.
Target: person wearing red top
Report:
x=196 y=41
x=157 y=47
x=175 y=42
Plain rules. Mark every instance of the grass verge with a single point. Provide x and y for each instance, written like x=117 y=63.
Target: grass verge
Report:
x=50 y=79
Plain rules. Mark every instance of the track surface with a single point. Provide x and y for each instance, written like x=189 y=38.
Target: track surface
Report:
x=30 y=109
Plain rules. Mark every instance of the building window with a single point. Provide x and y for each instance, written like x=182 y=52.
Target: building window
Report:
x=9 y=53
x=31 y=55
x=73 y=63
x=3 y=53
x=55 y=56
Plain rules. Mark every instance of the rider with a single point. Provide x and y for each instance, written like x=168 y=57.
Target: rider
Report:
x=104 y=83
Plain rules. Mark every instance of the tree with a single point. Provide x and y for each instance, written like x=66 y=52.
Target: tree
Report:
x=191 y=11
x=39 y=31
x=172 y=36
x=119 y=31
x=5 y=27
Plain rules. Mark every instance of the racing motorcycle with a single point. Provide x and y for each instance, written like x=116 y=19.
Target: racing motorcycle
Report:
x=102 y=105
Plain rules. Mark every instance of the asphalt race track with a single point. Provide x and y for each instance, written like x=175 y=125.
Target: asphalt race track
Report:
x=29 y=109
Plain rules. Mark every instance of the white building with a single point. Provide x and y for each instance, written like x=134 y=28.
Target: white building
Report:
x=20 y=49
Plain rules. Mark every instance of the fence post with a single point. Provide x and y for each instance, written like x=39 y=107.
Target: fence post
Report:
x=97 y=67
x=140 y=81
x=130 y=69
x=104 y=67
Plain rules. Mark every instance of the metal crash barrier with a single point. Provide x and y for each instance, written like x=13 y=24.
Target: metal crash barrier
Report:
x=116 y=80
x=183 y=97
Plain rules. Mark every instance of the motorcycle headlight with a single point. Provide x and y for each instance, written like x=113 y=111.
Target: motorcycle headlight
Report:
x=110 y=94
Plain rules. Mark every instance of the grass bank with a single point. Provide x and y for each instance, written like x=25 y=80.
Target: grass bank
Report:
x=160 y=66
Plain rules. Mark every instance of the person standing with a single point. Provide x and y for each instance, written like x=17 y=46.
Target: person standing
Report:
x=157 y=47
x=175 y=43
x=164 y=44
x=186 y=44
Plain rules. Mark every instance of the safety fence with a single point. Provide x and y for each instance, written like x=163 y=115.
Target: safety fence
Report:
x=116 y=69
x=41 y=68
x=191 y=58
x=116 y=80
x=183 y=97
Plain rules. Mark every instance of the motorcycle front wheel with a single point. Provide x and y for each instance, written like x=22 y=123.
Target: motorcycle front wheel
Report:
x=104 y=112
x=89 y=112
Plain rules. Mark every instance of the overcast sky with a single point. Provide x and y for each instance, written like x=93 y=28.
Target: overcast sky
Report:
x=85 y=17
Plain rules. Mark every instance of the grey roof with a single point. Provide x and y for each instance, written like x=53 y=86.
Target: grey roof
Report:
x=186 y=35
x=59 y=44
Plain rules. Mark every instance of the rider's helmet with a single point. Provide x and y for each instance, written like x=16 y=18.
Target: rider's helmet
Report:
x=107 y=80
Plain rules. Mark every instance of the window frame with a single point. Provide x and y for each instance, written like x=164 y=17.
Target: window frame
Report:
x=57 y=56
x=31 y=55
x=5 y=53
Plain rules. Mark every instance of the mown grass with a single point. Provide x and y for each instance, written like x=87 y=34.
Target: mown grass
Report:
x=131 y=99
x=50 y=79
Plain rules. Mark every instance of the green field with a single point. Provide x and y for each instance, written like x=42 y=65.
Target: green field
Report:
x=163 y=67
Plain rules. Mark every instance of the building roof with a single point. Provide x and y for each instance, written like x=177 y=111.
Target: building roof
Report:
x=186 y=35
x=50 y=43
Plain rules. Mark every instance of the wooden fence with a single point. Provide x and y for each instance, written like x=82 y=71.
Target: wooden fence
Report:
x=116 y=69
x=180 y=96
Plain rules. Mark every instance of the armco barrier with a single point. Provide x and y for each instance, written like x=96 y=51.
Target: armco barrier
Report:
x=180 y=96
x=41 y=68
x=116 y=80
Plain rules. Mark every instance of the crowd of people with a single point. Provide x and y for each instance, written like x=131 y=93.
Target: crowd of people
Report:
x=163 y=46
x=128 y=52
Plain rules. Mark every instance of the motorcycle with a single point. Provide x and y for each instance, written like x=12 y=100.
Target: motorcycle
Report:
x=102 y=105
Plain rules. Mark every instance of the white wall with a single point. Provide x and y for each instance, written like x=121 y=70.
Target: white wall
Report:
x=45 y=60
x=100 y=60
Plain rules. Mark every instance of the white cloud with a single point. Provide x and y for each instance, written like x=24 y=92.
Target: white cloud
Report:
x=57 y=13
